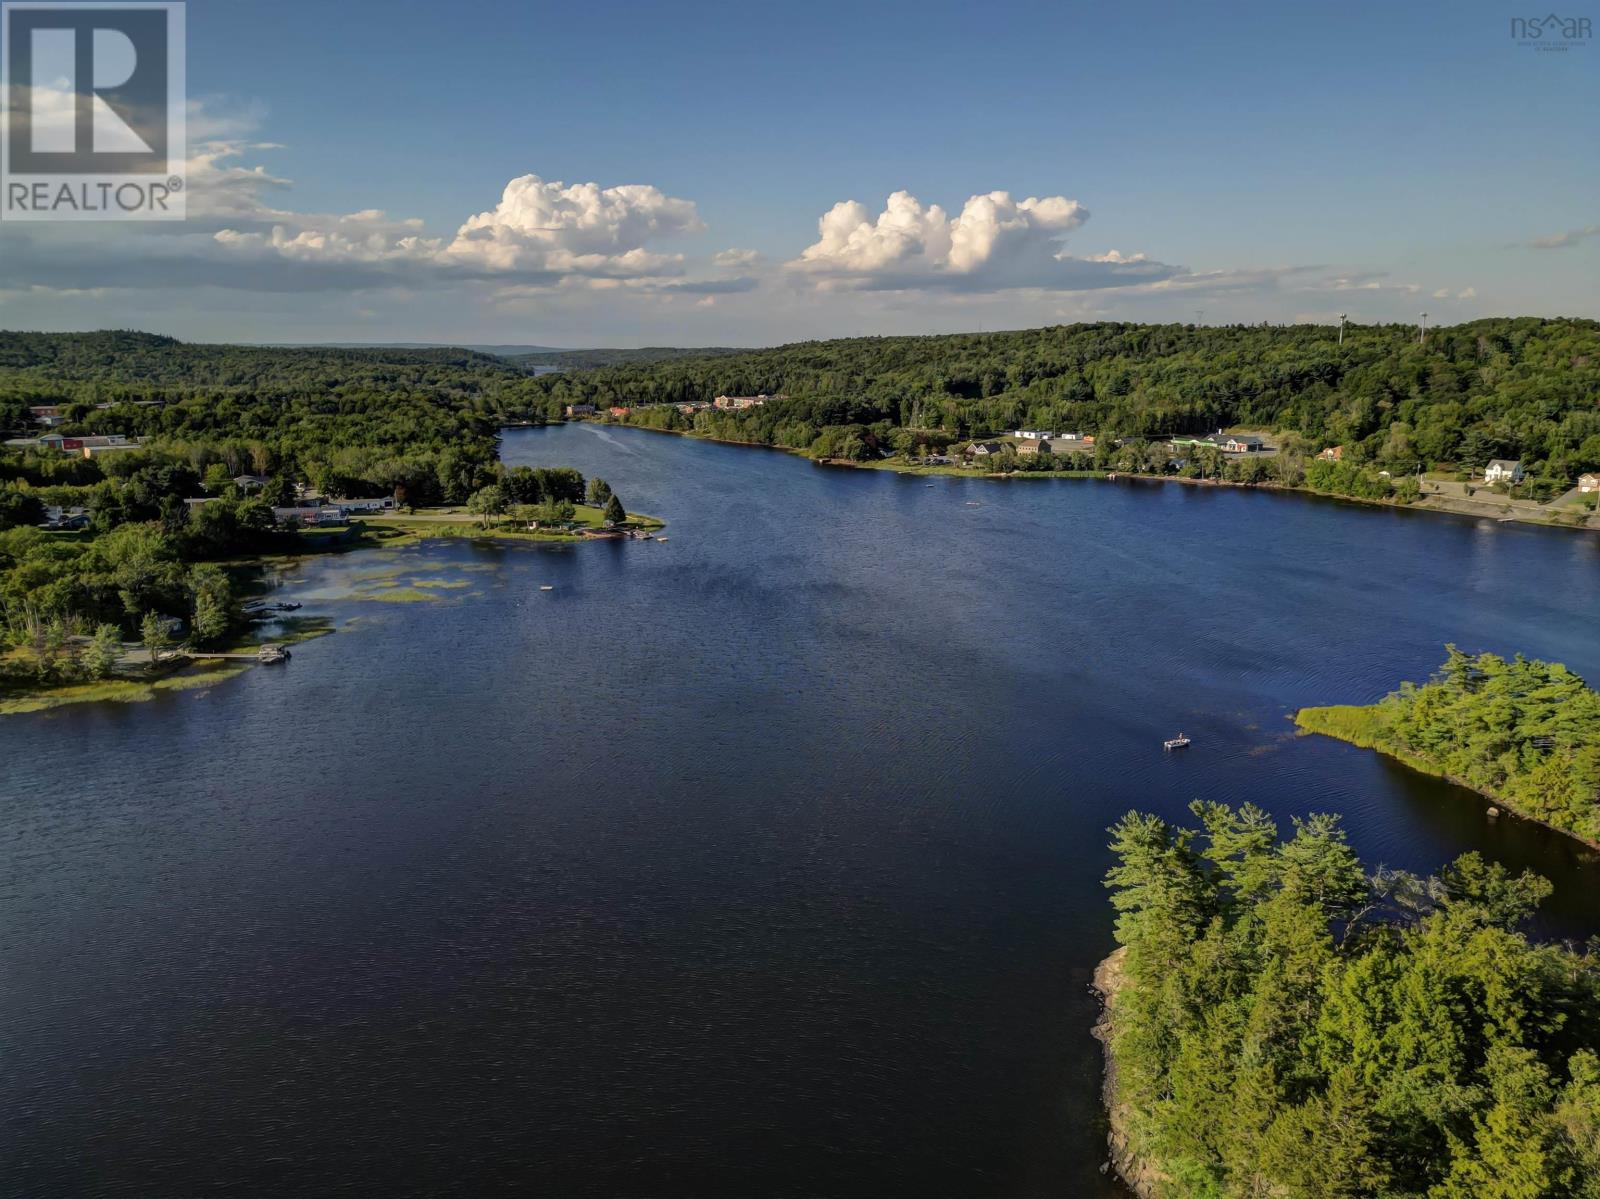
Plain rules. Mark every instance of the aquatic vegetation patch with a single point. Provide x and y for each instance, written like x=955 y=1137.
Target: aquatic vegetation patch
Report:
x=118 y=690
x=400 y=595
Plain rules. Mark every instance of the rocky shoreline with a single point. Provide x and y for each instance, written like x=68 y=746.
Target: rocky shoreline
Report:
x=1139 y=1175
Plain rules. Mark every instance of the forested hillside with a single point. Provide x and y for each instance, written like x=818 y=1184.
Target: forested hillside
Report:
x=1522 y=388
x=1290 y=1027
x=354 y=421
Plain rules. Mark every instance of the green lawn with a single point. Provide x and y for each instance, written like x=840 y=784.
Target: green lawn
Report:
x=399 y=529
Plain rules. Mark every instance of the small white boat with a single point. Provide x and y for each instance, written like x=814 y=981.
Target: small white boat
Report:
x=660 y=538
x=546 y=587
x=1178 y=742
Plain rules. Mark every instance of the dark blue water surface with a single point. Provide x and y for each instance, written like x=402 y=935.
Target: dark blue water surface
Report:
x=763 y=862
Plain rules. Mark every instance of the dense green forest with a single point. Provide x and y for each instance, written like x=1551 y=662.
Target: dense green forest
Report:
x=1523 y=388
x=349 y=421
x=1289 y=1027
x=1524 y=732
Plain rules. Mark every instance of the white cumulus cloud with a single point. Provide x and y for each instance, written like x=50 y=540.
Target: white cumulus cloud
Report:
x=995 y=242
x=583 y=229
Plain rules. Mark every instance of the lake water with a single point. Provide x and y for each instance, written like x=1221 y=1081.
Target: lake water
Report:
x=763 y=862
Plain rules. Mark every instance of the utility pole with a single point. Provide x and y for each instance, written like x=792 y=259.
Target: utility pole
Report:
x=1422 y=331
x=1341 y=328
x=1199 y=316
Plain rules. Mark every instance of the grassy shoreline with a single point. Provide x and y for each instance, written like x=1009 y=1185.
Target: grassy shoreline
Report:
x=425 y=524
x=184 y=670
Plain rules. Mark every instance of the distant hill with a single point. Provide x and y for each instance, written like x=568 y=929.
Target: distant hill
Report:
x=571 y=360
x=538 y=358
x=49 y=365
x=497 y=351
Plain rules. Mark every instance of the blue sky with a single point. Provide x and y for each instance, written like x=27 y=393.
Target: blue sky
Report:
x=1254 y=162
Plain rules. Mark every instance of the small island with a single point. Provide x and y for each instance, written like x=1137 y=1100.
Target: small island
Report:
x=1524 y=733
x=1278 y=1022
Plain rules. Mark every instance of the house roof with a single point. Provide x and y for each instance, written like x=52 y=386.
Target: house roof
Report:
x=1504 y=464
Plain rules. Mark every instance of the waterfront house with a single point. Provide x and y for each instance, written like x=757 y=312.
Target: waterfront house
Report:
x=983 y=449
x=617 y=411
x=1226 y=442
x=739 y=403
x=1588 y=483
x=1033 y=448
x=375 y=504
x=1334 y=453
x=1503 y=470
x=580 y=409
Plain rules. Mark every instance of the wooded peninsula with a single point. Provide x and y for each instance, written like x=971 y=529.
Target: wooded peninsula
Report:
x=139 y=472
x=1524 y=733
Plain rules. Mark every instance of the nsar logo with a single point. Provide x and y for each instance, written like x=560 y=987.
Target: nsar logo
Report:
x=1551 y=32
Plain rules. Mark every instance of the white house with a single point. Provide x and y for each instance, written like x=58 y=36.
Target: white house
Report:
x=1588 y=483
x=1503 y=470
x=376 y=504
